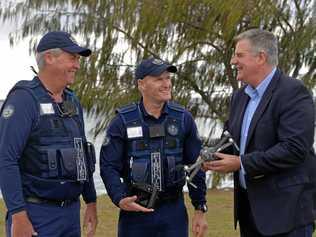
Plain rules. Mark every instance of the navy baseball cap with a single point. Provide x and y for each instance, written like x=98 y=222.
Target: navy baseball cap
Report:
x=153 y=67
x=62 y=40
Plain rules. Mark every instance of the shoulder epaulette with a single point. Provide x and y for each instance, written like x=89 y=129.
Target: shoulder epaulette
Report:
x=175 y=106
x=127 y=108
x=27 y=84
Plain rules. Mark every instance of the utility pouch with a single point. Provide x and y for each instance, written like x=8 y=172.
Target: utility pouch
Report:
x=180 y=176
x=170 y=171
x=52 y=163
x=140 y=172
x=68 y=158
x=174 y=173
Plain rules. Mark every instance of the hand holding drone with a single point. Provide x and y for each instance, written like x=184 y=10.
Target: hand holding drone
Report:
x=207 y=154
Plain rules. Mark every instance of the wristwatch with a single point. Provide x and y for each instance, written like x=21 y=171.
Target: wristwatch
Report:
x=201 y=207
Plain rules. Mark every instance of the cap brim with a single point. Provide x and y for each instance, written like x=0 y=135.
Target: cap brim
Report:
x=163 y=68
x=85 y=52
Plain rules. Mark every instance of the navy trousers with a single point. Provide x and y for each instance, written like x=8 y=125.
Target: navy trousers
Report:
x=52 y=221
x=249 y=229
x=168 y=220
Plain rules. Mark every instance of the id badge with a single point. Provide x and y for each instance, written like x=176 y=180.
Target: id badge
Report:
x=133 y=132
x=47 y=108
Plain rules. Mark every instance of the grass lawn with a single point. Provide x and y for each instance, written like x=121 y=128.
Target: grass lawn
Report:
x=219 y=216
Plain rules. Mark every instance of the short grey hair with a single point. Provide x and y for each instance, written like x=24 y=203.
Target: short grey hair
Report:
x=261 y=40
x=40 y=56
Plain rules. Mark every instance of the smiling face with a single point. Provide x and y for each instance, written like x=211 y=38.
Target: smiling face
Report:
x=64 y=65
x=156 y=89
x=246 y=61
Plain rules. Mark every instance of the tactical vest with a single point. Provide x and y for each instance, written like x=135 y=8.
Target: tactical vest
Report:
x=155 y=151
x=54 y=163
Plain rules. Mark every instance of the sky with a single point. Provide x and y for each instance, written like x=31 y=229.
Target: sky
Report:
x=14 y=62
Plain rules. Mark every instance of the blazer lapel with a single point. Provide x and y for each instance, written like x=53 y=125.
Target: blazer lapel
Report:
x=242 y=102
x=262 y=105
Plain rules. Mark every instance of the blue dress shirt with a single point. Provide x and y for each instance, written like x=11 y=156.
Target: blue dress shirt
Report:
x=255 y=95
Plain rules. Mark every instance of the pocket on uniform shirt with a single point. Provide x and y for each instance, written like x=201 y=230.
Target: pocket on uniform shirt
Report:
x=140 y=171
x=174 y=173
x=68 y=158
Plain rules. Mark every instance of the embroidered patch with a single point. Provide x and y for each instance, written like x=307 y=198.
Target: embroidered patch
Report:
x=157 y=61
x=172 y=129
x=8 y=111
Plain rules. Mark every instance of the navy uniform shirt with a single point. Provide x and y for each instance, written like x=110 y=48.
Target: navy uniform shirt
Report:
x=114 y=152
x=18 y=118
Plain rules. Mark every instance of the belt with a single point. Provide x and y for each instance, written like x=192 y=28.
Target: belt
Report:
x=167 y=197
x=60 y=203
x=164 y=198
x=161 y=199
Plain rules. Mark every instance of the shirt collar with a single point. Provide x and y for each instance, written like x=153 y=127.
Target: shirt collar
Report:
x=165 y=109
x=261 y=88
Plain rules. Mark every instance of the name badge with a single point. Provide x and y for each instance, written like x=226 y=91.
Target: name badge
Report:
x=133 y=132
x=47 y=108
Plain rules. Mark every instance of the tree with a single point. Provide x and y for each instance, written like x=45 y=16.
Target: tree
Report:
x=196 y=35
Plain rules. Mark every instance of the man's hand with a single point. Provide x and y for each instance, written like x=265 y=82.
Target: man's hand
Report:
x=129 y=204
x=21 y=225
x=199 y=224
x=90 y=220
x=225 y=164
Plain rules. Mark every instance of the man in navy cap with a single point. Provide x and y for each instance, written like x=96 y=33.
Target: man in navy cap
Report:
x=142 y=158
x=45 y=161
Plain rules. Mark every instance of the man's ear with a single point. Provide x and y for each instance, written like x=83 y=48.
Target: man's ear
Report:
x=262 y=57
x=140 y=84
x=49 y=58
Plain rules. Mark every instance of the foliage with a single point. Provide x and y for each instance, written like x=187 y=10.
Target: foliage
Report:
x=195 y=35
